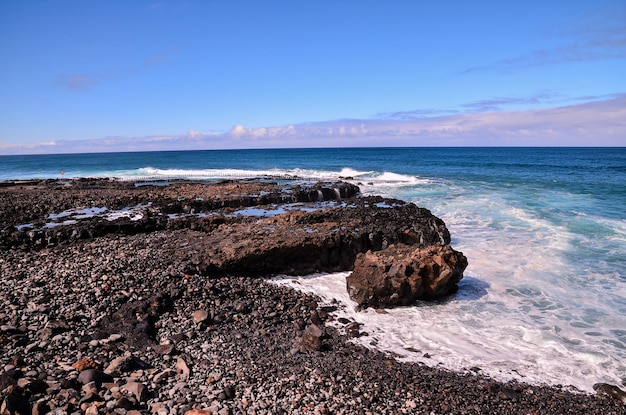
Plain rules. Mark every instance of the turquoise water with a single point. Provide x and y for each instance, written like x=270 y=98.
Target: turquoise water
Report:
x=544 y=230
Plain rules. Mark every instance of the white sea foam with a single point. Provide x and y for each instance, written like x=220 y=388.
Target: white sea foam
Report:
x=460 y=335
x=367 y=179
x=534 y=305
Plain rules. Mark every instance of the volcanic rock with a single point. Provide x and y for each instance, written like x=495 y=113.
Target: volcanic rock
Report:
x=325 y=239
x=137 y=389
x=310 y=341
x=610 y=390
x=402 y=274
x=93 y=375
x=200 y=316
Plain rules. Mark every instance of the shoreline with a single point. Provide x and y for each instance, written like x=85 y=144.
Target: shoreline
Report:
x=82 y=301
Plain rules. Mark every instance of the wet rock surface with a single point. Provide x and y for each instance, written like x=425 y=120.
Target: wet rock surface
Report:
x=132 y=324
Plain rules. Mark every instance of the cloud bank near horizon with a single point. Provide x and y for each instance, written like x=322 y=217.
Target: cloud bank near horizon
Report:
x=596 y=123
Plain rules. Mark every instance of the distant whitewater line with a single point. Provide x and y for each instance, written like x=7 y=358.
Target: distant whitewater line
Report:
x=151 y=174
x=217 y=175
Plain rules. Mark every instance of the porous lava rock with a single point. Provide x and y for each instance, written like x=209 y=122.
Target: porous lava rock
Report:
x=403 y=274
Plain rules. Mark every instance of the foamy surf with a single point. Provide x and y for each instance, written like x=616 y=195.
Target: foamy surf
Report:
x=367 y=179
x=534 y=305
x=453 y=335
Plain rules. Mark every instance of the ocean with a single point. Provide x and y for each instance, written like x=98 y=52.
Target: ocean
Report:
x=543 y=299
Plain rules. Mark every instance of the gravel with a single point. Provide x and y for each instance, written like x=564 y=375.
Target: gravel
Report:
x=117 y=325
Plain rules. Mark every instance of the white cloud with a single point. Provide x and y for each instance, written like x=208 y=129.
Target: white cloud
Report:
x=238 y=131
x=596 y=123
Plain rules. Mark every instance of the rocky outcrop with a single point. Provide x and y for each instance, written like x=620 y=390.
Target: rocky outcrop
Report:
x=303 y=242
x=38 y=214
x=403 y=274
x=249 y=228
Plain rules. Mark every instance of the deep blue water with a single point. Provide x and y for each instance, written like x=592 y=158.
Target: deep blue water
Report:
x=600 y=172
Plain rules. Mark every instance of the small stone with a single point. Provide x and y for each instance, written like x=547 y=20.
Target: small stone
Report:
x=119 y=364
x=411 y=404
x=8 y=328
x=164 y=349
x=352 y=329
x=91 y=410
x=181 y=367
x=58 y=326
x=311 y=340
x=155 y=407
x=200 y=316
x=137 y=389
x=163 y=375
x=197 y=412
x=94 y=375
x=229 y=391
x=90 y=388
x=124 y=403
x=40 y=407
x=85 y=363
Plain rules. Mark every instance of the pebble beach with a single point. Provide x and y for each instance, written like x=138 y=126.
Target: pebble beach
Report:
x=116 y=325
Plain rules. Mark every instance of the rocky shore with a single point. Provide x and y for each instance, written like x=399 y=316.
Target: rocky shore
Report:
x=119 y=298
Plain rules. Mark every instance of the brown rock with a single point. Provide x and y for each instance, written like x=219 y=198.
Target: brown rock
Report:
x=311 y=340
x=352 y=329
x=182 y=368
x=94 y=375
x=137 y=389
x=85 y=363
x=401 y=274
x=119 y=364
x=200 y=316
x=197 y=412
x=91 y=410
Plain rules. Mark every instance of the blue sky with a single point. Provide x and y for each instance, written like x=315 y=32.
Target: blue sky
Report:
x=148 y=75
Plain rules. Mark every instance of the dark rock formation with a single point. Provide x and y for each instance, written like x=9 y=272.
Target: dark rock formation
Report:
x=246 y=228
x=45 y=213
x=402 y=274
x=302 y=242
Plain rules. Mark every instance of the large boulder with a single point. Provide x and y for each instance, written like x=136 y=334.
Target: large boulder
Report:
x=403 y=274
